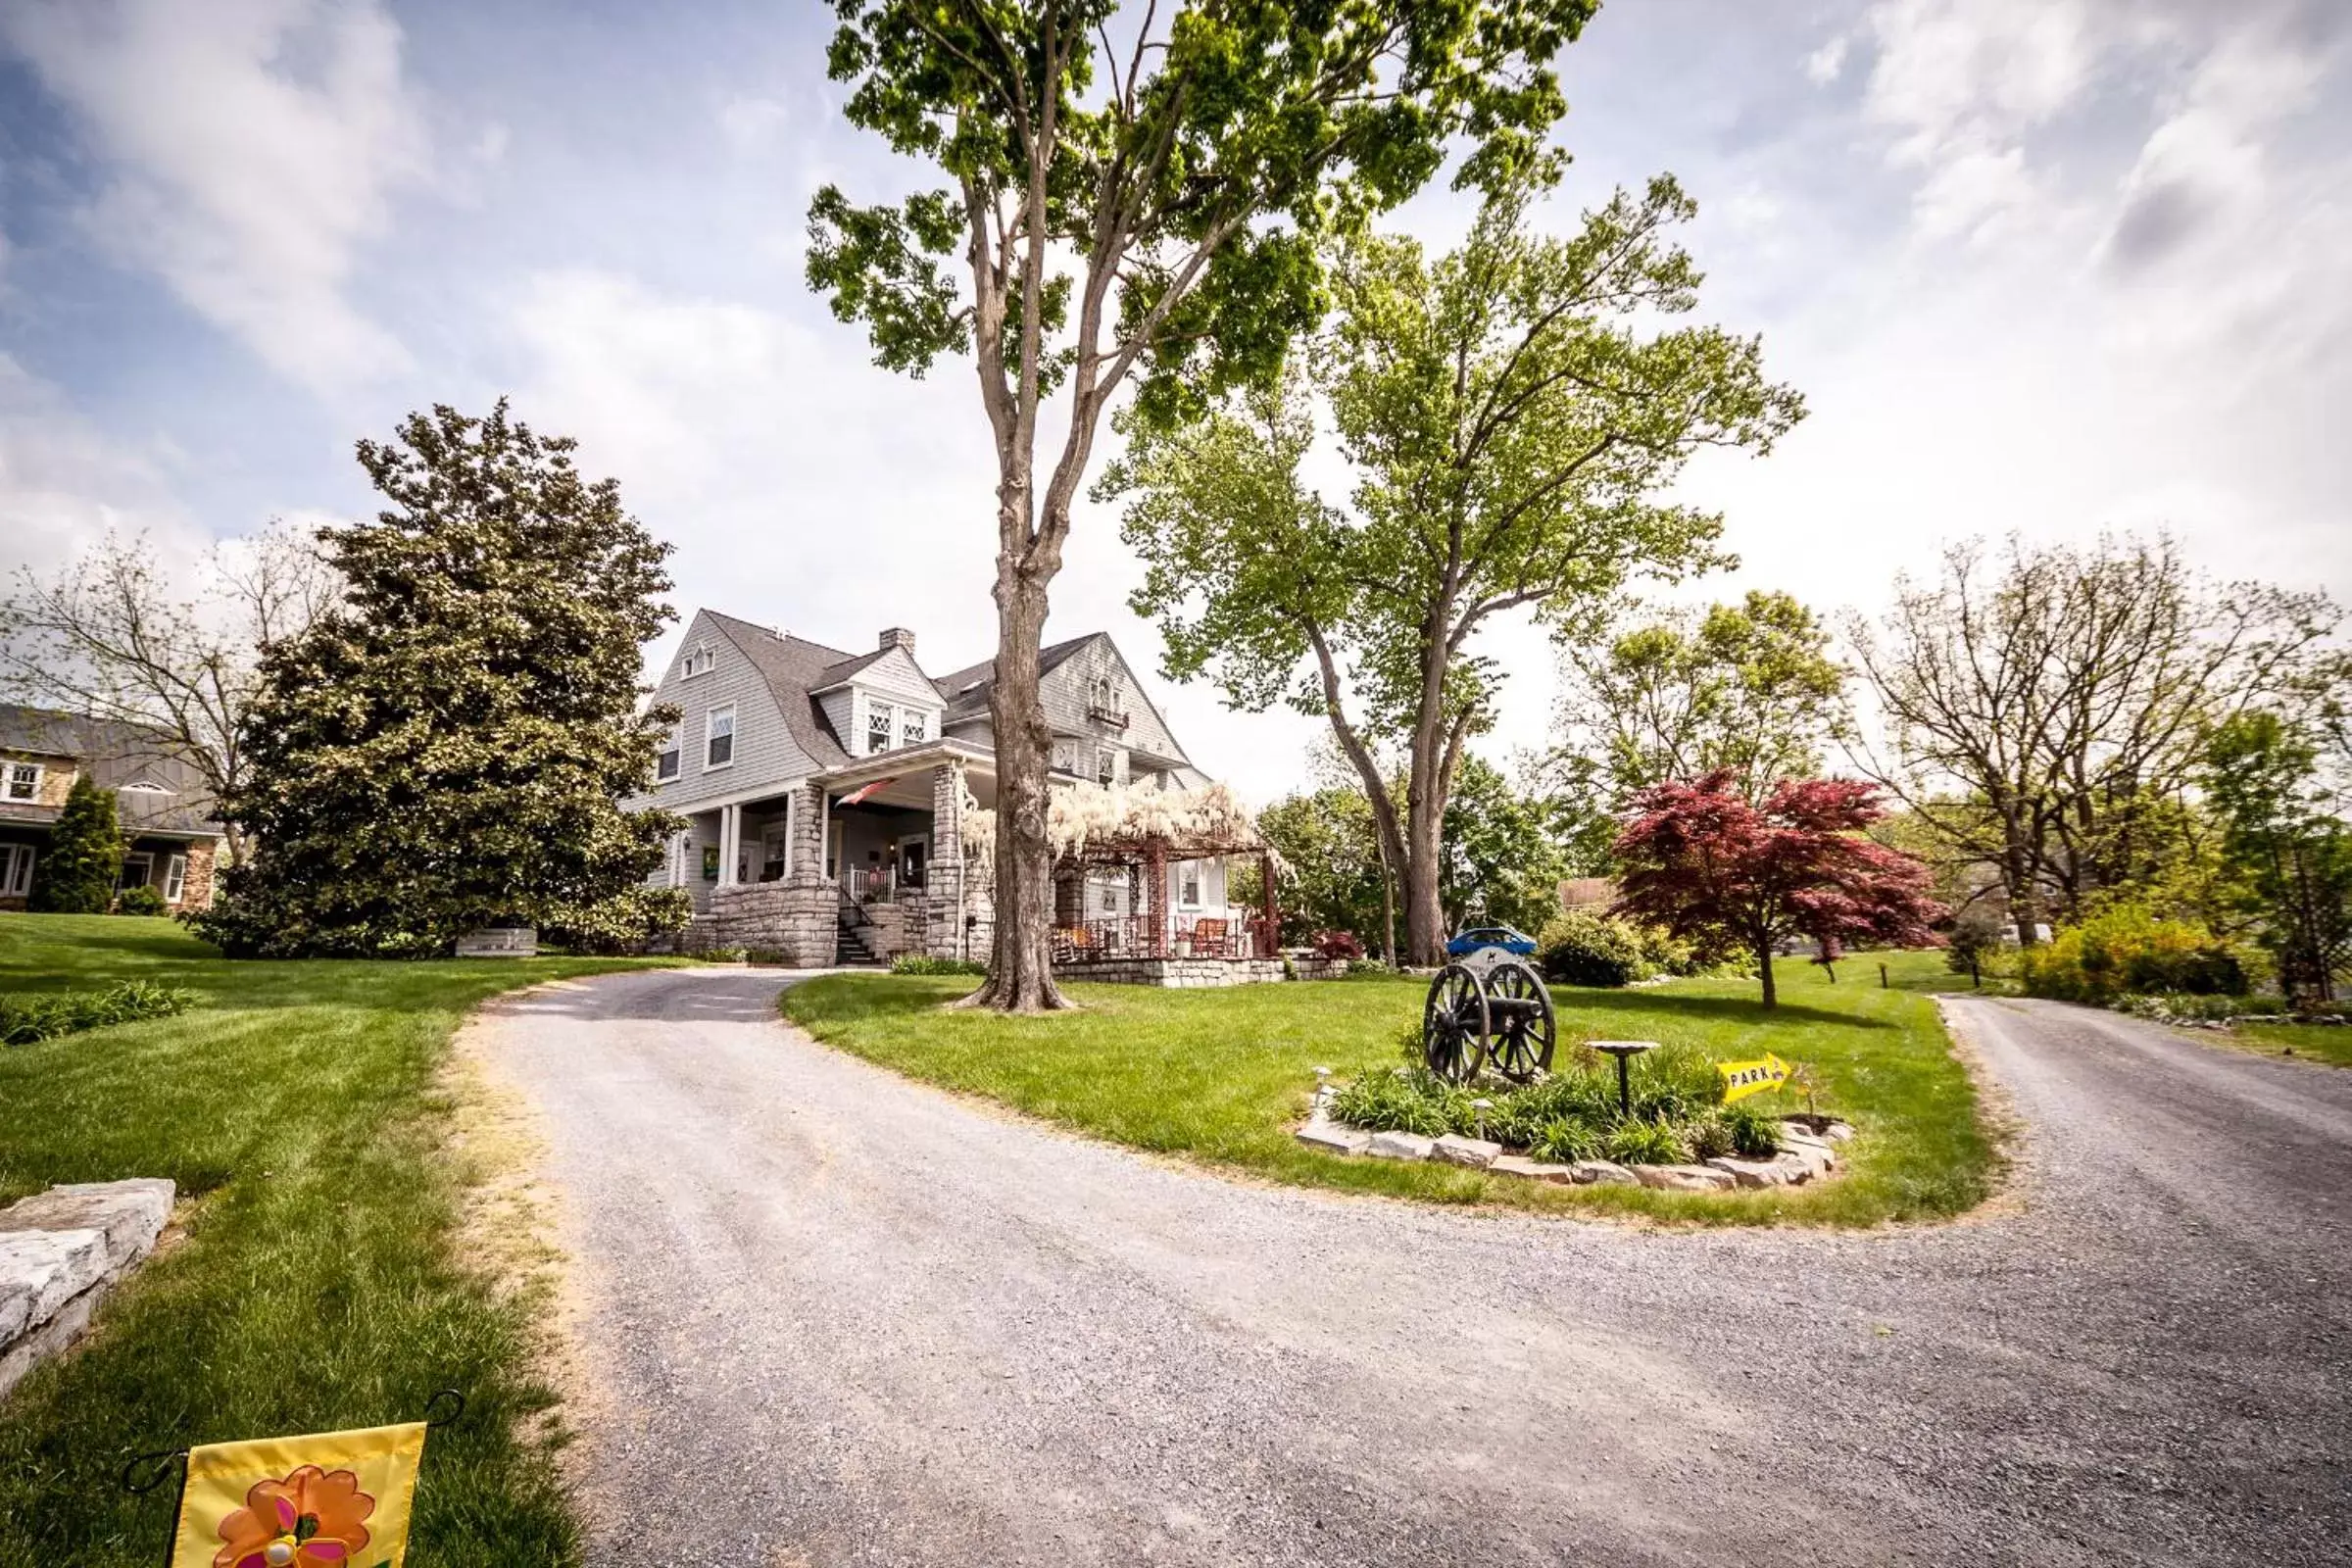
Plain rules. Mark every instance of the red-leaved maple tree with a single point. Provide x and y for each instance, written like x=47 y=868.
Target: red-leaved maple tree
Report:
x=1702 y=862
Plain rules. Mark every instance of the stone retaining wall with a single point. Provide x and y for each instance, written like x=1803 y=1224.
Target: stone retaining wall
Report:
x=796 y=919
x=60 y=1251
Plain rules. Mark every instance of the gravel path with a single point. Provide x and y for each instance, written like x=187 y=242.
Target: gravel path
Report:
x=836 y=1317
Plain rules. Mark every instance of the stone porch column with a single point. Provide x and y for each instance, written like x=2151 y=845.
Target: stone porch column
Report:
x=808 y=836
x=943 y=935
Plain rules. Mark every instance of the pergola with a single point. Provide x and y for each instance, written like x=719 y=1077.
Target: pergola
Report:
x=1146 y=828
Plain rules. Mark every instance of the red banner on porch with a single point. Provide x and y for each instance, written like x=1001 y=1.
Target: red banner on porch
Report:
x=859 y=794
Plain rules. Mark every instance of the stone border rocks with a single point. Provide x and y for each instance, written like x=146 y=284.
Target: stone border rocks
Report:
x=1807 y=1154
x=60 y=1251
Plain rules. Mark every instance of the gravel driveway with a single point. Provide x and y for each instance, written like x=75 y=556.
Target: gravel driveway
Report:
x=837 y=1317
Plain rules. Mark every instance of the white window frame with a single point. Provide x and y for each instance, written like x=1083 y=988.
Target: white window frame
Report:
x=710 y=718
x=889 y=717
x=699 y=660
x=146 y=857
x=16 y=870
x=673 y=749
x=915 y=725
x=32 y=792
x=1106 y=766
x=1200 y=884
x=176 y=878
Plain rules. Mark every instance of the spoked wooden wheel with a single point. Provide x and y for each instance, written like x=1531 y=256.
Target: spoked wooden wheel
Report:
x=1453 y=1025
x=1524 y=1028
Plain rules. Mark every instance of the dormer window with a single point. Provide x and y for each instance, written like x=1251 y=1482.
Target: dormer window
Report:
x=877 y=727
x=914 y=726
x=699 y=661
x=24 y=781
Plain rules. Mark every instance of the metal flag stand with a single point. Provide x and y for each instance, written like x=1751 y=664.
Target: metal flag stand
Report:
x=143 y=1473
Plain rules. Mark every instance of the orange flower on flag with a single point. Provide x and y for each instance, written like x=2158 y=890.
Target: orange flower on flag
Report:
x=311 y=1519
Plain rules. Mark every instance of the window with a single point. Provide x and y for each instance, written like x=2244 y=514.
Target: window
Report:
x=137 y=871
x=877 y=727
x=666 y=767
x=176 y=878
x=718 y=738
x=699 y=661
x=144 y=786
x=1106 y=767
x=16 y=870
x=1188 y=884
x=914 y=726
x=24 y=781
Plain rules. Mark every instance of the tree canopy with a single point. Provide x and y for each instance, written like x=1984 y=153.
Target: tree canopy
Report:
x=1702 y=861
x=1511 y=413
x=2285 y=838
x=448 y=745
x=1151 y=208
x=1749 y=687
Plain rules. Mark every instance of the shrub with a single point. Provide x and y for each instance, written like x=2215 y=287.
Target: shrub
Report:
x=1565 y=1142
x=1754 y=1135
x=626 y=922
x=141 y=899
x=1366 y=966
x=1403 y=1100
x=1709 y=1137
x=721 y=955
x=27 y=1017
x=1337 y=945
x=76 y=873
x=925 y=963
x=2126 y=950
x=1580 y=948
x=1675 y=1082
x=1976 y=937
x=1643 y=1142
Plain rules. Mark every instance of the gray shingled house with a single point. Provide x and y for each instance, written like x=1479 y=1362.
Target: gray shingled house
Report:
x=164 y=805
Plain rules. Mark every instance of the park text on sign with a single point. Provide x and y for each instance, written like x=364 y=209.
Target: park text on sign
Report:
x=1745 y=1078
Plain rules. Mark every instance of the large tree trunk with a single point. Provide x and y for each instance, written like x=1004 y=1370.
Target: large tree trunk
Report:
x=1771 y=995
x=1020 y=970
x=1425 y=930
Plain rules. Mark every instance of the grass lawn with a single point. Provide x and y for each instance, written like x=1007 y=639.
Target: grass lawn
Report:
x=1223 y=1076
x=316 y=1287
x=2313 y=1042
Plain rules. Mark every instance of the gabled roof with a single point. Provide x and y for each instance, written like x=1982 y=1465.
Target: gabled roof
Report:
x=967 y=689
x=115 y=754
x=793 y=668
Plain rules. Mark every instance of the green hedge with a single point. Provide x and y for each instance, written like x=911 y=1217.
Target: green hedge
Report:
x=30 y=1016
x=2127 y=951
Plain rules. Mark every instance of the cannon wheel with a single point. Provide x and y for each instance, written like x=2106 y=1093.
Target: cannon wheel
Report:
x=1454 y=1025
x=1524 y=1028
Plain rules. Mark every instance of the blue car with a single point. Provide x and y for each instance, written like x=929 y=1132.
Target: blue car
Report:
x=1491 y=936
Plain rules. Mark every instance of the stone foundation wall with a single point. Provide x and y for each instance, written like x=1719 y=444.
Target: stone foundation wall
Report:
x=1180 y=973
x=794 y=918
x=892 y=924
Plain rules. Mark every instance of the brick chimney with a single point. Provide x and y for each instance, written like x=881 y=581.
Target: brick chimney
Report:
x=898 y=637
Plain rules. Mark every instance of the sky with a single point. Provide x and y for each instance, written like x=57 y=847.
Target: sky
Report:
x=2042 y=267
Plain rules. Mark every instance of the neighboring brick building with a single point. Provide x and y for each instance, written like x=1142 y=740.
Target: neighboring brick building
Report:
x=170 y=840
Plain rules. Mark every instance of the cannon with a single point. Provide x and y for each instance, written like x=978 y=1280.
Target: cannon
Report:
x=1488 y=1004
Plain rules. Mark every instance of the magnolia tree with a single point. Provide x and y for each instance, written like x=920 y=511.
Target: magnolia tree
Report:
x=1134 y=197
x=1708 y=866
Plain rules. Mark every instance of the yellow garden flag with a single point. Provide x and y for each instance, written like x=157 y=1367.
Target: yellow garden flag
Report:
x=1741 y=1079
x=337 y=1499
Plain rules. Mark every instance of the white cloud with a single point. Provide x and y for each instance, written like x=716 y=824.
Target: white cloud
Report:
x=1825 y=63
x=64 y=483
x=249 y=149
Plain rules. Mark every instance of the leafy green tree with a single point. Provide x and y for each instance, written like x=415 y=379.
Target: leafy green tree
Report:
x=1331 y=852
x=1749 y=687
x=1186 y=174
x=450 y=743
x=1504 y=855
x=1512 y=413
x=2284 y=832
x=76 y=873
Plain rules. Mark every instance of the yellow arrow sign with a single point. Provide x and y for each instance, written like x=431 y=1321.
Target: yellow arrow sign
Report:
x=1745 y=1078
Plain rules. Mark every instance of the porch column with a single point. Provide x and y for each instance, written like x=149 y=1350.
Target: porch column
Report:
x=806 y=861
x=730 y=825
x=1270 y=917
x=1155 y=869
x=943 y=935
